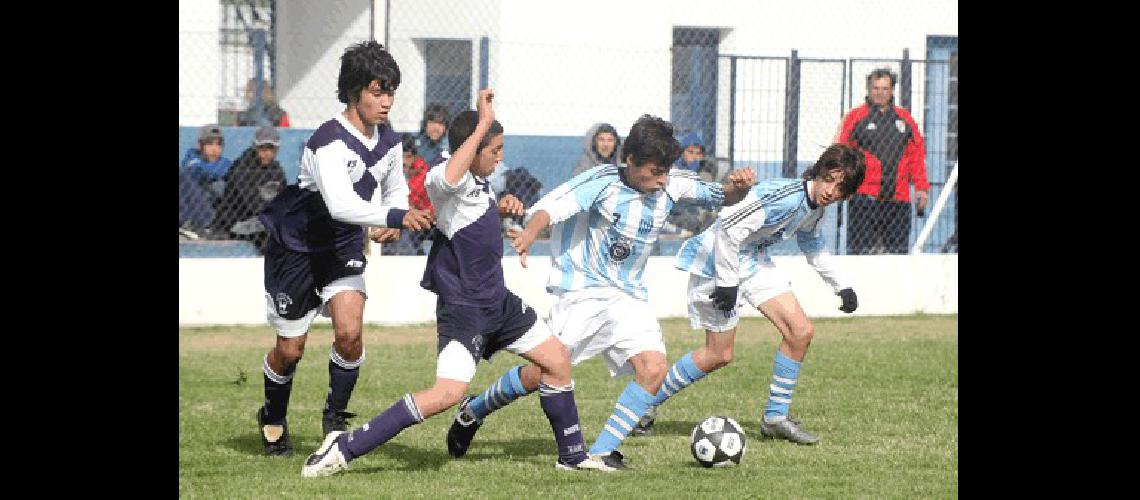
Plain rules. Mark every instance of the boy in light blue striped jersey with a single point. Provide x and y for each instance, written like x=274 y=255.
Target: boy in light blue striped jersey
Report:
x=605 y=223
x=729 y=257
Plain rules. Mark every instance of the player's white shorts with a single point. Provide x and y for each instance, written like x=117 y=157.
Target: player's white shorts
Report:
x=608 y=321
x=299 y=326
x=757 y=289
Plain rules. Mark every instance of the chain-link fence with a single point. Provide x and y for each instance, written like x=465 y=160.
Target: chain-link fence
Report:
x=734 y=104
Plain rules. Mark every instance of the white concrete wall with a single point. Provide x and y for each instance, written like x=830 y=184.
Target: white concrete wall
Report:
x=199 y=68
x=230 y=291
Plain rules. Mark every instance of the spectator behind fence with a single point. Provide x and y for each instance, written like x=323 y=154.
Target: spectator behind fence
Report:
x=692 y=154
x=601 y=145
x=264 y=112
x=201 y=183
x=880 y=217
x=415 y=171
x=688 y=219
x=432 y=141
x=254 y=180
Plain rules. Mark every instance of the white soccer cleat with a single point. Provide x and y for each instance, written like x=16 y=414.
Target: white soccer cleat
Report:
x=327 y=460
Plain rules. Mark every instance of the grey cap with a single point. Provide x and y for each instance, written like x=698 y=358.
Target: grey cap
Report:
x=211 y=131
x=266 y=135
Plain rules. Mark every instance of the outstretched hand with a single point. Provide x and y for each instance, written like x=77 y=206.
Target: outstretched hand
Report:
x=483 y=105
x=510 y=205
x=384 y=234
x=523 y=240
x=418 y=220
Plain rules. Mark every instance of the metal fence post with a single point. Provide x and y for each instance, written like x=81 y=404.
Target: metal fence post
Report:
x=904 y=78
x=791 y=116
x=258 y=70
x=484 y=62
x=732 y=113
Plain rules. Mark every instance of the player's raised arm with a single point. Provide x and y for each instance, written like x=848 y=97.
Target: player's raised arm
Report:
x=737 y=184
x=461 y=160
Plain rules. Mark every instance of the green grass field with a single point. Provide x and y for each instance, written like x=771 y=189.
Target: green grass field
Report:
x=881 y=392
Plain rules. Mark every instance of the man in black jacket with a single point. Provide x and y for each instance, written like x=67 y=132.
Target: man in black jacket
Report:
x=255 y=178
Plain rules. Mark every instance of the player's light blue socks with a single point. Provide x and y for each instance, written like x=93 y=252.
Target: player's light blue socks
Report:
x=508 y=388
x=784 y=373
x=683 y=374
x=633 y=403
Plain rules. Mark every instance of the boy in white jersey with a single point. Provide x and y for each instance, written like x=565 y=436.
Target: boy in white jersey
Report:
x=606 y=221
x=476 y=315
x=730 y=256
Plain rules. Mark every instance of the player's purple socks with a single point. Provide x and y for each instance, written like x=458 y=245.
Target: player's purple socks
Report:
x=508 y=388
x=277 y=390
x=560 y=408
x=342 y=379
x=401 y=415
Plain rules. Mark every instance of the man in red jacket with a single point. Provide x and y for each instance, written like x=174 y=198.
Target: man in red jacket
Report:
x=880 y=217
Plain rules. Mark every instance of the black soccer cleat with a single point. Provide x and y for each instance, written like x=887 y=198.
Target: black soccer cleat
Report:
x=644 y=425
x=275 y=438
x=462 y=430
x=335 y=420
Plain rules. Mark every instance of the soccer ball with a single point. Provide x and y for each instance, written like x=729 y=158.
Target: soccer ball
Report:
x=718 y=442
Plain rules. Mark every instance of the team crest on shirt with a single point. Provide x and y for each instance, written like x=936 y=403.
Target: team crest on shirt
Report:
x=901 y=125
x=283 y=303
x=620 y=249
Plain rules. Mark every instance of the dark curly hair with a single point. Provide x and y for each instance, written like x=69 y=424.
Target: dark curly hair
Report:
x=464 y=125
x=651 y=140
x=360 y=65
x=846 y=158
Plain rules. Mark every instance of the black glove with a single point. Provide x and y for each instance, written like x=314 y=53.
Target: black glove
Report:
x=850 y=302
x=724 y=297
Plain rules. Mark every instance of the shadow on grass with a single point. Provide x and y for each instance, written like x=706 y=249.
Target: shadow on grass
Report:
x=665 y=427
x=432 y=458
x=250 y=444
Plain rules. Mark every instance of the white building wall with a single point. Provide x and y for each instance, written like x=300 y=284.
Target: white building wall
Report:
x=199 y=75
x=561 y=66
x=311 y=36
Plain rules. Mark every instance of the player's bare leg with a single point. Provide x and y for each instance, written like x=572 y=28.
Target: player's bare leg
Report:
x=714 y=355
x=785 y=312
x=345 y=357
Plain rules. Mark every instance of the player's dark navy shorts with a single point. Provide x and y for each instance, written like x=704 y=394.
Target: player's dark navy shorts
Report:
x=294 y=281
x=486 y=330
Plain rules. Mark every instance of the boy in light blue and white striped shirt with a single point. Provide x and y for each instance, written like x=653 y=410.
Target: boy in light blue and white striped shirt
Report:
x=606 y=221
x=731 y=255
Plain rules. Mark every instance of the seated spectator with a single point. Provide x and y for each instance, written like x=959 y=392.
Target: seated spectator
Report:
x=432 y=141
x=264 y=112
x=254 y=180
x=693 y=151
x=687 y=219
x=205 y=167
x=601 y=146
x=415 y=171
x=195 y=211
